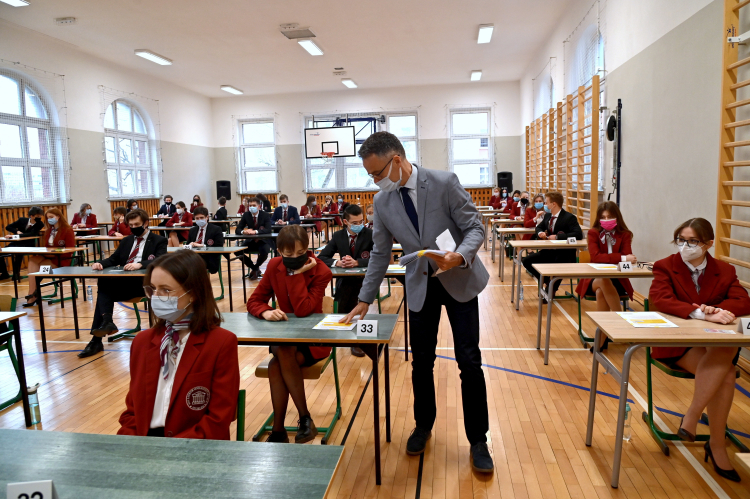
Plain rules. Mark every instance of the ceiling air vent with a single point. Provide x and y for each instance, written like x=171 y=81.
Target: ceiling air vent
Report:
x=294 y=32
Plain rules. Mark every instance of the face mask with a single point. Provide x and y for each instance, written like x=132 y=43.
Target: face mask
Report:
x=196 y=200
x=356 y=228
x=524 y=201
x=370 y=217
x=689 y=254
x=294 y=263
x=52 y=221
x=314 y=203
x=179 y=211
x=496 y=193
x=253 y=209
x=608 y=224
x=167 y=202
x=342 y=199
x=88 y=211
x=167 y=310
x=138 y=231
x=135 y=207
x=284 y=205
x=538 y=206
x=505 y=194
x=546 y=209
x=201 y=223
x=516 y=199
x=386 y=184
x=38 y=219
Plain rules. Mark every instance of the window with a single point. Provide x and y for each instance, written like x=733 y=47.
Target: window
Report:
x=470 y=146
x=131 y=171
x=30 y=145
x=257 y=156
x=348 y=174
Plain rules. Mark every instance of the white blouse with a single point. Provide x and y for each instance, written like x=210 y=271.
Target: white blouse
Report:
x=164 y=388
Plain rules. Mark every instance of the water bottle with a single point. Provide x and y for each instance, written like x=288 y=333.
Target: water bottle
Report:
x=626 y=434
x=89 y=292
x=36 y=415
x=520 y=294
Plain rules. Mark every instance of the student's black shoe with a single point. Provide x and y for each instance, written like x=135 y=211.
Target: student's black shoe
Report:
x=417 y=441
x=684 y=434
x=730 y=474
x=607 y=341
x=278 y=437
x=29 y=304
x=358 y=352
x=108 y=327
x=93 y=348
x=254 y=275
x=481 y=460
x=4 y=276
x=307 y=430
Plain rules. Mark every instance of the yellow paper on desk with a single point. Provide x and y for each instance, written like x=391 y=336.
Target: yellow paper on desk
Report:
x=646 y=319
x=603 y=266
x=331 y=323
x=395 y=268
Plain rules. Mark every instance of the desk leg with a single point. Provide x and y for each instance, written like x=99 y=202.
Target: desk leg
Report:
x=519 y=285
x=75 y=307
x=550 y=301
x=592 y=392
x=387 y=394
x=501 y=256
x=485 y=234
x=513 y=278
x=541 y=296
x=62 y=293
x=41 y=313
x=624 y=376
x=229 y=283
x=373 y=352
x=493 y=235
x=406 y=324
x=244 y=284
x=22 y=372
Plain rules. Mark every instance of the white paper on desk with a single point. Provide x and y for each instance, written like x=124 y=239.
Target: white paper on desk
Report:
x=603 y=266
x=331 y=323
x=558 y=241
x=646 y=319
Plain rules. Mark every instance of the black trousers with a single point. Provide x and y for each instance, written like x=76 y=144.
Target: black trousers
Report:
x=347 y=293
x=549 y=256
x=112 y=290
x=464 y=319
x=259 y=247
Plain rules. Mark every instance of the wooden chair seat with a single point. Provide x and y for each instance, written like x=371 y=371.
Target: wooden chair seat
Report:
x=312 y=372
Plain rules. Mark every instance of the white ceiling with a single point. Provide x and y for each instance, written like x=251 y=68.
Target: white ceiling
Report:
x=380 y=43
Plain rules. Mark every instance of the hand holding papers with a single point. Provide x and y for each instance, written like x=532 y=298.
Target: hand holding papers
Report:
x=331 y=323
x=446 y=244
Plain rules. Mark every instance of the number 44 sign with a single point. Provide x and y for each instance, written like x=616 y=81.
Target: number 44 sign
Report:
x=43 y=489
x=367 y=329
x=744 y=325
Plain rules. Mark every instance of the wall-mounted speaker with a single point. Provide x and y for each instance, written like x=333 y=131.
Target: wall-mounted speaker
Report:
x=224 y=188
x=505 y=179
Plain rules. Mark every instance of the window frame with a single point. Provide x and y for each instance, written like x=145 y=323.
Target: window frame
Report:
x=242 y=145
x=133 y=136
x=490 y=145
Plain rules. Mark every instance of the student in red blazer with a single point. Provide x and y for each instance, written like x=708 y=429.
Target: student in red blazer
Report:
x=511 y=204
x=85 y=219
x=298 y=280
x=312 y=210
x=692 y=284
x=182 y=218
x=184 y=372
x=370 y=215
x=496 y=199
x=120 y=227
x=57 y=234
x=331 y=208
x=530 y=219
x=243 y=206
x=519 y=210
x=196 y=203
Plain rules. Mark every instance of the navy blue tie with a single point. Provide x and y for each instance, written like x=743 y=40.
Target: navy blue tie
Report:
x=409 y=207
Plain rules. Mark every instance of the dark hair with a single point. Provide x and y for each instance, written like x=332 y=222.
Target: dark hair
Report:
x=310 y=199
x=556 y=198
x=516 y=192
x=283 y=196
x=614 y=211
x=253 y=200
x=197 y=196
x=189 y=269
x=200 y=210
x=120 y=210
x=352 y=211
x=181 y=204
x=130 y=202
x=381 y=144
x=222 y=200
x=35 y=210
x=82 y=210
x=169 y=196
x=289 y=236
x=139 y=213
x=702 y=228
x=261 y=196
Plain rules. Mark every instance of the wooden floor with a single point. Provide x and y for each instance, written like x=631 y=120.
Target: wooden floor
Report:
x=537 y=412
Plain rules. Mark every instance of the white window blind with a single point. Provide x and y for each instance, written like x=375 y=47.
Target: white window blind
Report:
x=471 y=154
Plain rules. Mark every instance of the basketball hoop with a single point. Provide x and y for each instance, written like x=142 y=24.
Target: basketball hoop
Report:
x=328 y=157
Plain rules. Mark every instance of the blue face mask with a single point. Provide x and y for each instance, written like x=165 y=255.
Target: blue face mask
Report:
x=505 y=194
x=516 y=199
x=283 y=205
x=546 y=209
x=538 y=206
x=253 y=209
x=201 y=223
x=88 y=211
x=356 y=228
x=52 y=221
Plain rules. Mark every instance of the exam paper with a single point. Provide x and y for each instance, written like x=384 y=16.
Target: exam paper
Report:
x=646 y=319
x=331 y=323
x=603 y=266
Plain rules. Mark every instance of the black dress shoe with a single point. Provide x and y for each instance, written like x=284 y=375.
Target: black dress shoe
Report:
x=358 y=352
x=278 y=437
x=254 y=275
x=684 y=434
x=481 y=460
x=29 y=304
x=93 y=348
x=728 y=474
x=307 y=430
x=107 y=327
x=417 y=441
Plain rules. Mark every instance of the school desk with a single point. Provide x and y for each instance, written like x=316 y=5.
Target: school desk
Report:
x=496 y=234
x=15 y=335
x=15 y=277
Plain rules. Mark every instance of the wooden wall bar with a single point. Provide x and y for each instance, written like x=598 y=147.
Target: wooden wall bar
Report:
x=480 y=197
x=150 y=205
x=10 y=215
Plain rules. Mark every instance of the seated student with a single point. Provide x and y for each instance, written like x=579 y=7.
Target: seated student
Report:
x=341 y=204
x=136 y=251
x=167 y=210
x=353 y=246
x=285 y=214
x=255 y=221
x=58 y=234
x=312 y=210
x=206 y=234
x=221 y=213
x=331 y=208
x=511 y=203
x=519 y=212
x=184 y=372
x=120 y=227
x=557 y=224
x=534 y=215
x=609 y=240
x=131 y=205
x=693 y=284
x=298 y=280
x=23 y=227
x=370 y=211
x=196 y=203
x=504 y=198
x=265 y=203
x=496 y=200
x=84 y=219
x=180 y=219
x=243 y=206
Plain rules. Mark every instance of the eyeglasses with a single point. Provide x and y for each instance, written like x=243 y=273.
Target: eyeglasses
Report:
x=692 y=243
x=162 y=294
x=644 y=265
x=373 y=175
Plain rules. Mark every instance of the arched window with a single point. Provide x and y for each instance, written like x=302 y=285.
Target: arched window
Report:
x=30 y=146
x=129 y=158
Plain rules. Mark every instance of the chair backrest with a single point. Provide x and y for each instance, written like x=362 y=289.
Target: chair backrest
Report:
x=651 y=306
x=7 y=303
x=584 y=257
x=327 y=305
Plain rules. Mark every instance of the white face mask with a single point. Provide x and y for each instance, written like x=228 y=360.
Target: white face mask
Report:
x=168 y=310
x=689 y=254
x=386 y=184
x=179 y=211
x=370 y=217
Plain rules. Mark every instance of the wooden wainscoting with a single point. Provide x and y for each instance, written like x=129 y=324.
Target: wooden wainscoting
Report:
x=10 y=215
x=480 y=196
x=150 y=205
x=272 y=198
x=357 y=197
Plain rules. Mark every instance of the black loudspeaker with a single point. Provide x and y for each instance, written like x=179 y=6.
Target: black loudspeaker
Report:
x=505 y=179
x=224 y=188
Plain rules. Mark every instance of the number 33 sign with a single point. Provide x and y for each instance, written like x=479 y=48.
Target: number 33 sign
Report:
x=43 y=489
x=367 y=329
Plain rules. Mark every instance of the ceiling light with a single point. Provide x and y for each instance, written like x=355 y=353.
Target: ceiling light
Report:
x=348 y=82
x=153 y=57
x=16 y=3
x=476 y=75
x=485 y=33
x=231 y=89
x=310 y=46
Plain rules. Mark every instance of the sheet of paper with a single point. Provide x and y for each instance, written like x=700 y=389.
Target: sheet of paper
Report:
x=558 y=241
x=412 y=257
x=603 y=266
x=646 y=319
x=725 y=331
x=395 y=268
x=331 y=323
x=445 y=241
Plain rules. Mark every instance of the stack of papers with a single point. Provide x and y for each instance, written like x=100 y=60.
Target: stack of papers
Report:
x=603 y=266
x=331 y=323
x=412 y=257
x=646 y=319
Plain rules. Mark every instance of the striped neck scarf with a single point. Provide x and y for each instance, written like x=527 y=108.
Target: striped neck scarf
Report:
x=170 y=344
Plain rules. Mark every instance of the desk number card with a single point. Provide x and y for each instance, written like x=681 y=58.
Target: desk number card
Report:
x=367 y=329
x=45 y=269
x=43 y=489
x=14 y=236
x=572 y=240
x=744 y=325
x=625 y=267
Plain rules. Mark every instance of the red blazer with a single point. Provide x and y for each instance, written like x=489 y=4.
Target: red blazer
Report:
x=90 y=222
x=241 y=210
x=332 y=209
x=187 y=218
x=516 y=211
x=121 y=227
x=209 y=362
x=496 y=201
x=316 y=213
x=528 y=221
x=193 y=206
x=598 y=252
x=65 y=238
x=673 y=292
x=509 y=206
x=300 y=294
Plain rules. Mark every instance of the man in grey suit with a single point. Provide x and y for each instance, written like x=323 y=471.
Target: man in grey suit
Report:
x=415 y=205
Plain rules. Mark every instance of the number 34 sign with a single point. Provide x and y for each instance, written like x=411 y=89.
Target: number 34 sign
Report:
x=367 y=329
x=43 y=489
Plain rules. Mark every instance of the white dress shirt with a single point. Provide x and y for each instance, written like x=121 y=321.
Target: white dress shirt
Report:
x=139 y=256
x=164 y=388
x=697 y=313
x=411 y=184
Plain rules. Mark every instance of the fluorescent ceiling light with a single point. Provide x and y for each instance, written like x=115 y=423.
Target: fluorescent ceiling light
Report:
x=476 y=75
x=16 y=3
x=153 y=57
x=485 y=33
x=231 y=89
x=310 y=46
x=348 y=82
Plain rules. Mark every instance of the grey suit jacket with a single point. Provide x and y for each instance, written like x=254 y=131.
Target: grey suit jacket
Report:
x=442 y=203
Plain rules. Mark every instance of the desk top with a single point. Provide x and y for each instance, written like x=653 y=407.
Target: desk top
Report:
x=546 y=244
x=105 y=223
x=9 y=240
x=494 y=214
x=168 y=468
x=584 y=270
x=89 y=272
x=272 y=235
x=27 y=250
x=744 y=459
x=324 y=218
x=362 y=271
x=179 y=227
x=688 y=331
x=514 y=230
x=99 y=238
x=9 y=316
x=250 y=330
x=222 y=250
